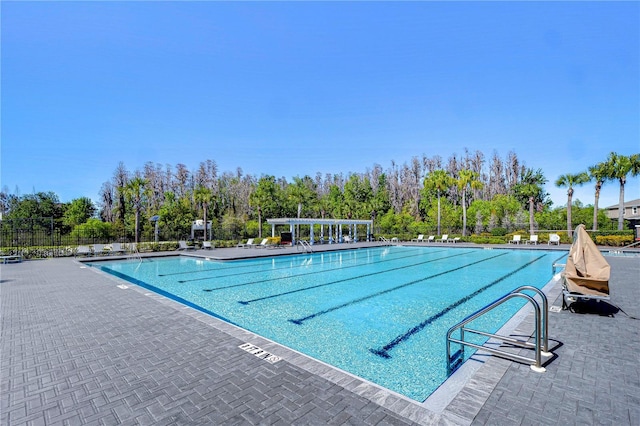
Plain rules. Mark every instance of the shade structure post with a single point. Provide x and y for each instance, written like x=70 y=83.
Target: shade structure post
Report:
x=311 y=235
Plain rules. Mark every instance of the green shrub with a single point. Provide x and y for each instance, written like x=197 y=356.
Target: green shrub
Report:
x=499 y=232
x=614 y=240
x=481 y=239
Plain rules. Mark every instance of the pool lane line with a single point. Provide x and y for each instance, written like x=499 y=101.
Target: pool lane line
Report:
x=384 y=351
x=299 y=321
x=266 y=262
x=298 y=266
x=259 y=299
x=302 y=274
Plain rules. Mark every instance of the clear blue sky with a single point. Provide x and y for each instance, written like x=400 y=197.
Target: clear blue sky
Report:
x=294 y=88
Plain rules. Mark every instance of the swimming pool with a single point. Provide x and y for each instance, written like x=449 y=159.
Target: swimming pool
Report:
x=379 y=313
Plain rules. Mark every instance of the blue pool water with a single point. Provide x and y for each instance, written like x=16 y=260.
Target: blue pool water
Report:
x=379 y=313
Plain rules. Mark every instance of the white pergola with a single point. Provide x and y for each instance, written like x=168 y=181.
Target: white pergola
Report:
x=335 y=227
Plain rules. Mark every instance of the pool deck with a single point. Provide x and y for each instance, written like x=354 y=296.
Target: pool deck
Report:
x=79 y=347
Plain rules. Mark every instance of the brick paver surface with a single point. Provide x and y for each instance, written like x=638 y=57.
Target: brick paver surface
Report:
x=594 y=378
x=77 y=349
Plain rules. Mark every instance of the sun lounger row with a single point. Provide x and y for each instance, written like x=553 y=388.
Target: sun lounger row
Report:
x=431 y=239
x=100 y=249
x=263 y=244
x=533 y=239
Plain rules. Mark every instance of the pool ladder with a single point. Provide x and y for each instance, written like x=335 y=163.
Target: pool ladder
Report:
x=541 y=341
x=305 y=246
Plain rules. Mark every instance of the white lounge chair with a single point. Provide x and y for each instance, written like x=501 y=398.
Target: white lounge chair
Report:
x=444 y=238
x=533 y=239
x=98 y=249
x=83 y=251
x=453 y=240
x=248 y=244
x=206 y=245
x=263 y=244
x=554 y=239
x=515 y=240
x=431 y=239
x=419 y=239
x=116 y=248
x=182 y=245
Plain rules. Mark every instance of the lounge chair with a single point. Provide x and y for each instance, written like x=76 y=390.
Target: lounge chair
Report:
x=453 y=240
x=206 y=245
x=533 y=239
x=554 y=239
x=444 y=238
x=263 y=244
x=116 y=248
x=99 y=249
x=431 y=239
x=419 y=239
x=347 y=239
x=84 y=251
x=586 y=274
x=248 y=244
x=515 y=240
x=182 y=245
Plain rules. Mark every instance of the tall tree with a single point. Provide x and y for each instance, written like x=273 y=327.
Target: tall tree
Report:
x=265 y=198
x=617 y=168
x=136 y=193
x=440 y=182
x=529 y=190
x=569 y=181
x=203 y=197
x=597 y=173
x=467 y=179
x=78 y=211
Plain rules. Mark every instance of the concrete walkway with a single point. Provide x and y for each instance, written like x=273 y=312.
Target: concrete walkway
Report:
x=77 y=348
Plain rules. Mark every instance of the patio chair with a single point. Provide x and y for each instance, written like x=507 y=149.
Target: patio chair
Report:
x=206 y=245
x=182 y=245
x=516 y=239
x=533 y=239
x=99 y=249
x=431 y=239
x=248 y=244
x=444 y=238
x=554 y=239
x=586 y=274
x=419 y=239
x=116 y=248
x=263 y=244
x=83 y=251
x=453 y=240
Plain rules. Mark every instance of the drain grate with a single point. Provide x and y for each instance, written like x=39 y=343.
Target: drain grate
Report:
x=260 y=353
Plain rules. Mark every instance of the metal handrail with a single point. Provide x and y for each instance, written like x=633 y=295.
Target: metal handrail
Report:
x=305 y=245
x=621 y=249
x=135 y=253
x=541 y=345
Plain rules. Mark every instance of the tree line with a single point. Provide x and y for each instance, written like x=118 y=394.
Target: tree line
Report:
x=464 y=194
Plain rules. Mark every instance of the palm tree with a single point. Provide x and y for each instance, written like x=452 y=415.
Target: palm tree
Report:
x=529 y=190
x=440 y=181
x=135 y=190
x=618 y=167
x=569 y=180
x=467 y=179
x=598 y=173
x=203 y=196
